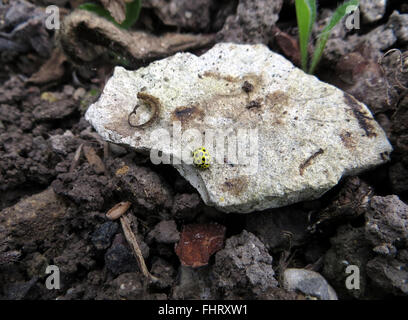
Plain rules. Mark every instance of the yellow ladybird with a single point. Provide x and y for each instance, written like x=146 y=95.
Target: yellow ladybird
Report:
x=201 y=158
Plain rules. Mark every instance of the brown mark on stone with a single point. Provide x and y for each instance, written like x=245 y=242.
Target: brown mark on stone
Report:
x=235 y=185
x=309 y=161
x=250 y=82
x=247 y=87
x=153 y=103
x=347 y=139
x=187 y=113
x=277 y=100
x=254 y=104
x=363 y=118
x=219 y=76
x=122 y=125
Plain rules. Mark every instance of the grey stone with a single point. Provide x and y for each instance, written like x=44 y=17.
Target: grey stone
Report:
x=349 y=247
x=144 y=187
x=374 y=42
x=372 y=10
x=389 y=275
x=253 y=22
x=38 y=218
x=399 y=23
x=102 y=236
x=381 y=38
x=129 y=286
x=119 y=259
x=164 y=271
x=186 y=205
x=308 y=282
x=191 y=15
x=165 y=232
x=379 y=249
x=387 y=221
x=387 y=230
x=63 y=143
x=309 y=134
x=243 y=267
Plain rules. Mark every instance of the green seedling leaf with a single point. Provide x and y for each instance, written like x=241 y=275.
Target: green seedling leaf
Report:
x=338 y=15
x=306 y=16
x=132 y=13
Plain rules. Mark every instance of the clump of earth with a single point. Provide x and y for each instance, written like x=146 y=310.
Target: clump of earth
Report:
x=59 y=177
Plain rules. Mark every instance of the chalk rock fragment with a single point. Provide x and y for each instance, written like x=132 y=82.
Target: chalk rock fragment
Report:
x=276 y=135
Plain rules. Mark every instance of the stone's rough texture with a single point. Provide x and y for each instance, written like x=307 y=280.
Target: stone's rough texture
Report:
x=186 y=205
x=63 y=143
x=399 y=23
x=244 y=264
x=379 y=249
x=165 y=232
x=375 y=43
x=364 y=79
x=191 y=15
x=252 y=23
x=49 y=111
x=144 y=187
x=309 y=133
x=84 y=187
x=32 y=220
x=102 y=236
x=372 y=10
x=390 y=276
x=164 y=271
x=387 y=230
x=129 y=286
x=387 y=221
x=348 y=247
x=78 y=255
x=308 y=282
x=119 y=259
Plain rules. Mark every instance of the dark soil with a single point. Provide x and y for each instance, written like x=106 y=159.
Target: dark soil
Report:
x=58 y=178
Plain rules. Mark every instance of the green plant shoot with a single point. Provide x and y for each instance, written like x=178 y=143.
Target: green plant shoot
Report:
x=306 y=16
x=132 y=13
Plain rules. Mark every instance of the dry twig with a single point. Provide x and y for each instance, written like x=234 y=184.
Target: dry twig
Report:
x=131 y=238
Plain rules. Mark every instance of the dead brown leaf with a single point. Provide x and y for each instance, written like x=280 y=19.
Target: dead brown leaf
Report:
x=130 y=47
x=198 y=242
x=52 y=70
x=94 y=160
